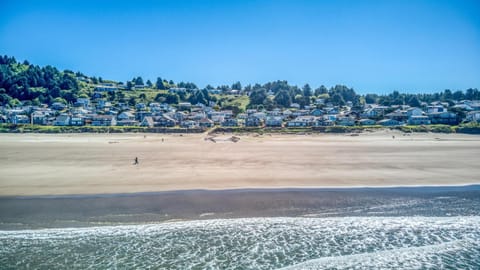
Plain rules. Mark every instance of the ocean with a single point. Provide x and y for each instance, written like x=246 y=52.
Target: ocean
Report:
x=434 y=229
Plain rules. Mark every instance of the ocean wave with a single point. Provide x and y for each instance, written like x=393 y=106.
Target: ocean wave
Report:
x=421 y=257
x=253 y=243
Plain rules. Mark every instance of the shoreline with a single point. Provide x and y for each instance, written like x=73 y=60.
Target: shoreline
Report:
x=20 y=213
x=450 y=187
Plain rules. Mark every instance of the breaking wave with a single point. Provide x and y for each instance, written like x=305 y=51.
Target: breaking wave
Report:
x=253 y=243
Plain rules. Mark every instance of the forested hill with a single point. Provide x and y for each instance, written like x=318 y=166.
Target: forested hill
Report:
x=23 y=81
x=31 y=84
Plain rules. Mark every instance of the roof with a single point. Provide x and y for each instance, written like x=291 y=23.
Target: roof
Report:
x=148 y=120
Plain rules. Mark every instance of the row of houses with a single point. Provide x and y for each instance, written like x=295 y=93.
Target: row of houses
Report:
x=104 y=113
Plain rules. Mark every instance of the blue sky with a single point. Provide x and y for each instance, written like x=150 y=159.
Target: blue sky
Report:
x=373 y=46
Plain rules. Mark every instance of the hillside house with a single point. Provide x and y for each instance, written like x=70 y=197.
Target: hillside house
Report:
x=414 y=112
x=317 y=112
x=435 y=109
x=58 y=106
x=184 y=106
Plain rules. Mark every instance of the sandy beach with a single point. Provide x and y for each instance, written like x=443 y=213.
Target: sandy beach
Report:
x=54 y=164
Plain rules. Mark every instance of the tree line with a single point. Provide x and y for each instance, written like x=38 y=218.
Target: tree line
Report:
x=38 y=85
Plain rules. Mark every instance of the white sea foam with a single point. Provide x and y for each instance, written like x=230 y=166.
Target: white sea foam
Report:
x=254 y=243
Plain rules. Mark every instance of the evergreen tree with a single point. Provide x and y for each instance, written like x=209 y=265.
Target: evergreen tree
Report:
x=283 y=98
x=139 y=81
x=159 y=84
x=258 y=96
x=149 y=84
x=307 y=90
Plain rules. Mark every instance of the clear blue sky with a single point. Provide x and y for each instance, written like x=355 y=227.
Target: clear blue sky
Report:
x=373 y=46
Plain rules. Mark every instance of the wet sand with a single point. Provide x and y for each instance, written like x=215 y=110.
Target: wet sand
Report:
x=33 y=212
x=51 y=164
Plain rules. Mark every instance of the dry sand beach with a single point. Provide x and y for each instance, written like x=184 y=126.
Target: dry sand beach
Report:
x=48 y=164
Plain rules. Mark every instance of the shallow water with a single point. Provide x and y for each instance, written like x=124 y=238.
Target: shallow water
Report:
x=389 y=228
x=253 y=243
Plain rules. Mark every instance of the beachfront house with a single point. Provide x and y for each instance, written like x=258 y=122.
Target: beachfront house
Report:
x=189 y=124
x=302 y=121
x=147 y=122
x=140 y=115
x=398 y=115
x=273 y=121
x=324 y=122
x=39 y=118
x=232 y=122
x=419 y=120
x=446 y=118
x=126 y=116
x=77 y=120
x=205 y=123
x=366 y=122
x=103 y=120
x=346 y=121
x=19 y=119
x=252 y=121
x=158 y=121
x=473 y=116
x=62 y=120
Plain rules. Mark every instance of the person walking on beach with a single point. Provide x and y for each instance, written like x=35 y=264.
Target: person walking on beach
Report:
x=135 y=161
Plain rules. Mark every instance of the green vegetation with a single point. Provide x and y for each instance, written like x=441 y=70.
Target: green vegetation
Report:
x=30 y=84
x=472 y=128
x=236 y=103
x=429 y=128
x=12 y=128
